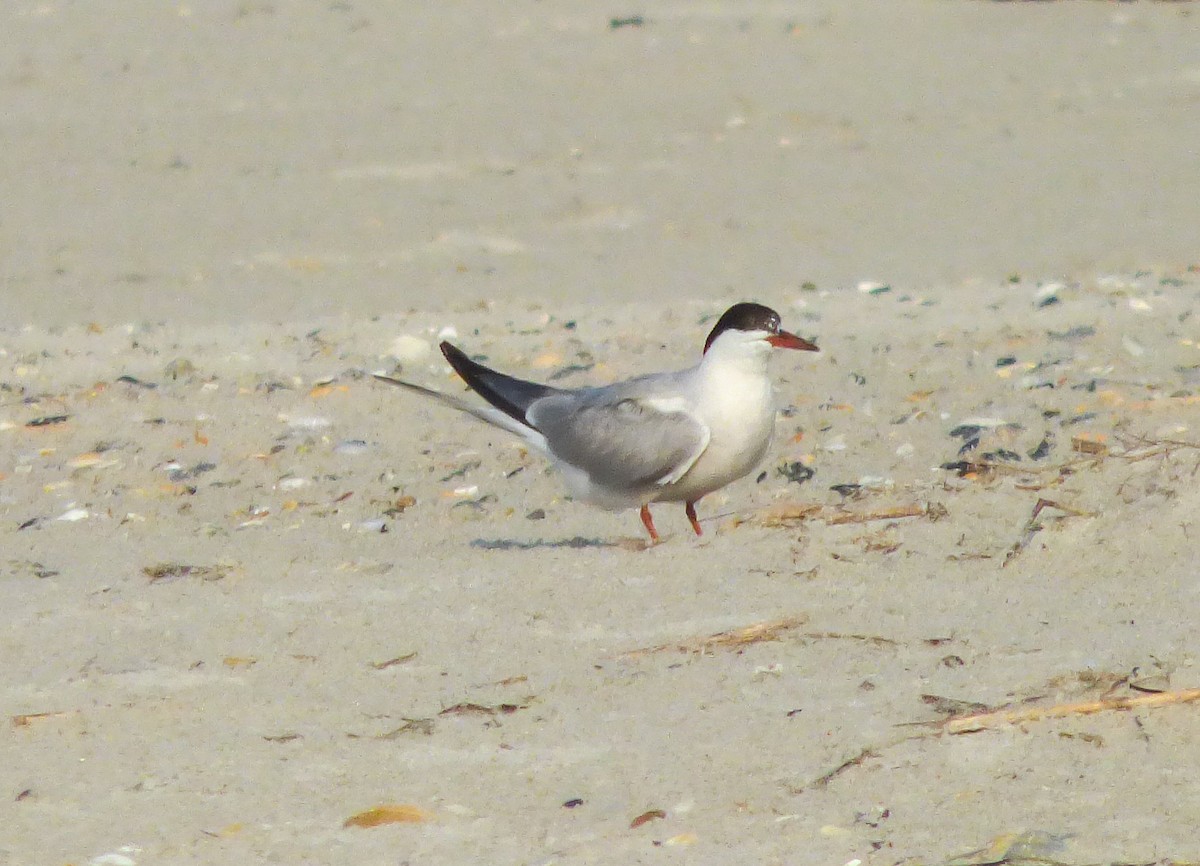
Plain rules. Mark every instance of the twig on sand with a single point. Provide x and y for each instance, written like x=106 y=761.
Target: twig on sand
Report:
x=732 y=639
x=1142 y=447
x=793 y=512
x=784 y=513
x=822 y=781
x=914 y=510
x=1032 y=527
x=760 y=632
x=973 y=722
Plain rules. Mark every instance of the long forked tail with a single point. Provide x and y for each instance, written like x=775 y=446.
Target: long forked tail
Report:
x=509 y=397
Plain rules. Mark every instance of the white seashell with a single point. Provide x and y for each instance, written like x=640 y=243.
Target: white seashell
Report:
x=307 y=422
x=837 y=443
x=408 y=349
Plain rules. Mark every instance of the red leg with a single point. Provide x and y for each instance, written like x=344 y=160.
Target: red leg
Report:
x=690 y=510
x=648 y=521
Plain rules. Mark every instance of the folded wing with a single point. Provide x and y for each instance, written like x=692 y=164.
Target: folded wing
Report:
x=621 y=442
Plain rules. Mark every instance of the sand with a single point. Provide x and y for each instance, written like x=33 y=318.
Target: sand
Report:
x=249 y=594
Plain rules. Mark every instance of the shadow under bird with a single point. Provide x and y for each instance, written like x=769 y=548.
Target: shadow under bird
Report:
x=662 y=437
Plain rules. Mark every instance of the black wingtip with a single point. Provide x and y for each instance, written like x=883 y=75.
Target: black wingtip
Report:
x=455 y=356
x=510 y=395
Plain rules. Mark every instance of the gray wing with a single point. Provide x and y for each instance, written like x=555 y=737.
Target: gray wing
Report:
x=622 y=442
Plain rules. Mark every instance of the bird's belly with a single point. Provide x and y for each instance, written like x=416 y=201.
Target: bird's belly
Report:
x=735 y=449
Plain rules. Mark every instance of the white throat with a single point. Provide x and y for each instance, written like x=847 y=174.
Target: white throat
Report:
x=743 y=351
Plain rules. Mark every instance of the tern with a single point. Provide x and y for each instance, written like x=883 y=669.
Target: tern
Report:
x=662 y=437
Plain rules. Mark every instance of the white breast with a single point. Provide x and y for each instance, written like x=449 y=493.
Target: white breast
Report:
x=737 y=405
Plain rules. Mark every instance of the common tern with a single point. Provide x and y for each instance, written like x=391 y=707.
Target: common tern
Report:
x=662 y=437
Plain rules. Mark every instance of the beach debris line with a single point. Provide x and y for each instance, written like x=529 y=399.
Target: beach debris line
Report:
x=1019 y=713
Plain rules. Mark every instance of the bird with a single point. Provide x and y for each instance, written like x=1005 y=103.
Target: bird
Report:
x=660 y=437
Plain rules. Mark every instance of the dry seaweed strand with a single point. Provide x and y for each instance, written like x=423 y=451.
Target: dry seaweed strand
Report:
x=25 y=720
x=392 y=662
x=785 y=513
x=856 y=760
x=647 y=817
x=1142 y=447
x=973 y=722
x=793 y=512
x=896 y=513
x=877 y=640
x=1032 y=527
x=166 y=572
x=757 y=633
x=473 y=709
x=732 y=639
x=822 y=781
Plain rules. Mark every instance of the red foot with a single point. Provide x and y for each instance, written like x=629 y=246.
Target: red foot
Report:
x=648 y=522
x=690 y=510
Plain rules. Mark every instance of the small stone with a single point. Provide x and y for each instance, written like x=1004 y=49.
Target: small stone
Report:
x=351 y=447
x=179 y=368
x=1047 y=295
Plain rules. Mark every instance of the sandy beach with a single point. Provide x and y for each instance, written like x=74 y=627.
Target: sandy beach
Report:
x=259 y=607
